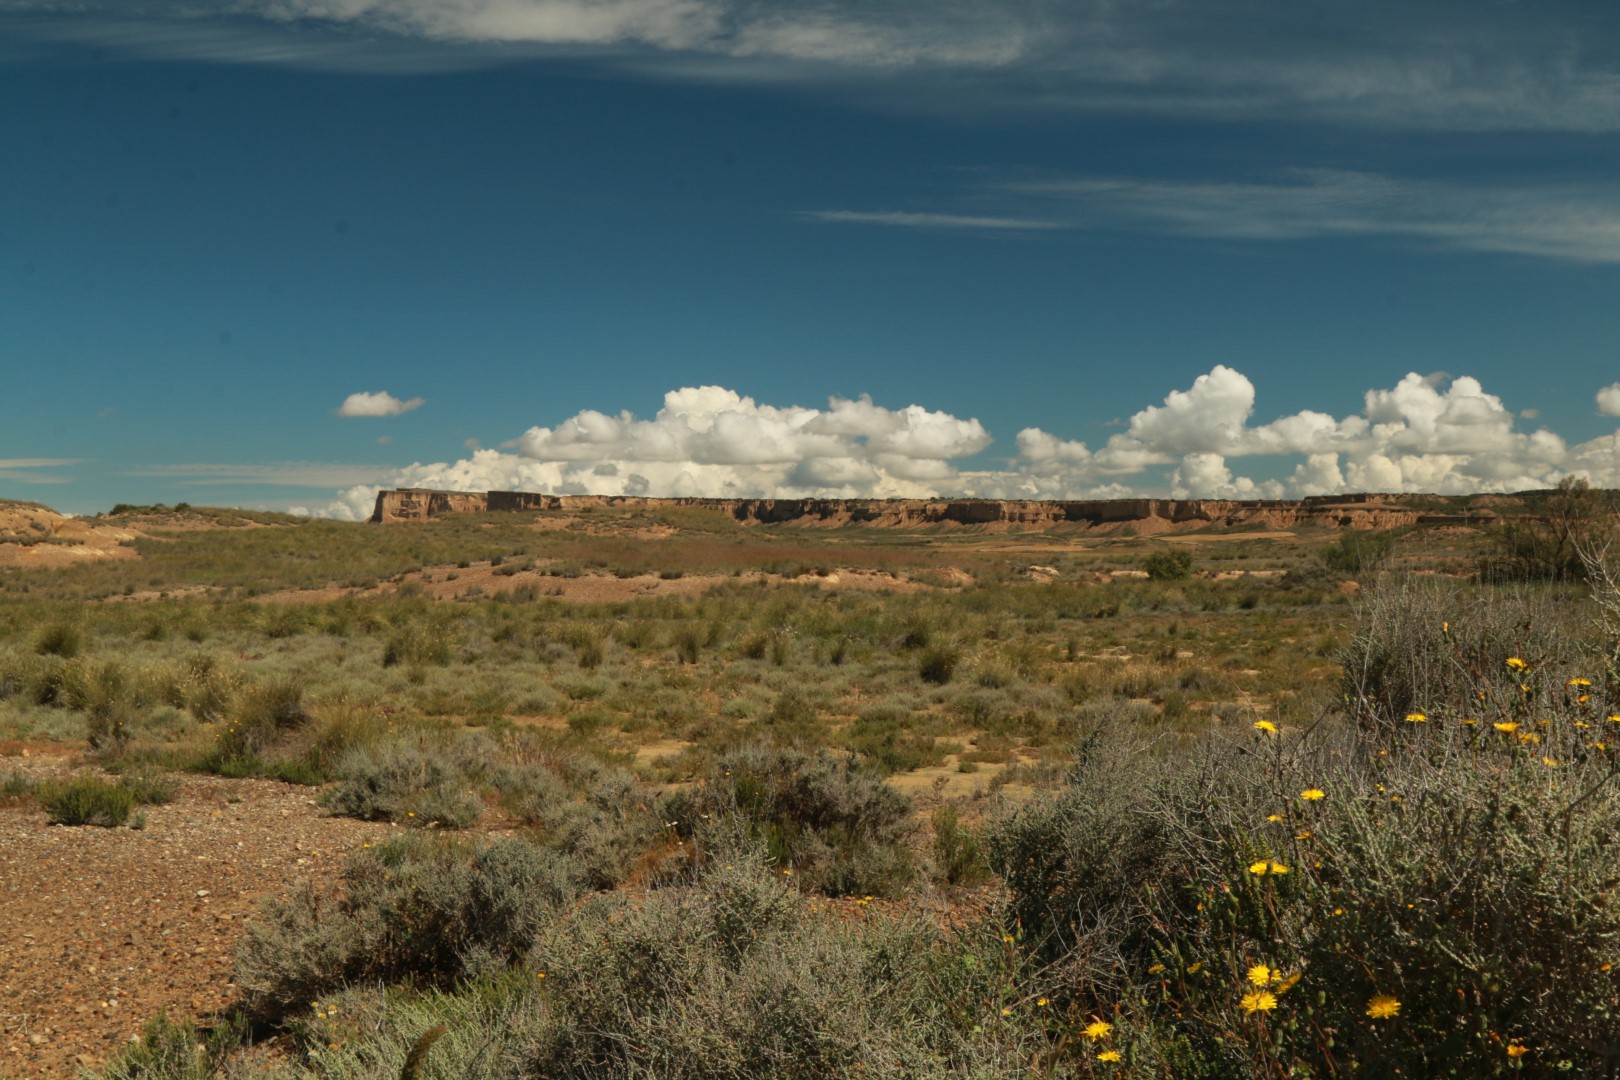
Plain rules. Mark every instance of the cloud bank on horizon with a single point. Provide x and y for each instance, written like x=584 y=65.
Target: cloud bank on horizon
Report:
x=1432 y=433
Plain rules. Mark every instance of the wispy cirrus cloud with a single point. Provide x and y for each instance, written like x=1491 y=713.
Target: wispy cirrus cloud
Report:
x=1552 y=219
x=26 y=470
x=912 y=219
x=1440 y=65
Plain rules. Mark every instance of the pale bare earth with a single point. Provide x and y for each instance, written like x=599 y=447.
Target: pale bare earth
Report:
x=33 y=536
x=105 y=928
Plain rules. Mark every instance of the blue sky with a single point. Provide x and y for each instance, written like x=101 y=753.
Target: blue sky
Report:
x=1212 y=248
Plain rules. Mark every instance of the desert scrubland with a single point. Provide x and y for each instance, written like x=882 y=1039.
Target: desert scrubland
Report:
x=647 y=790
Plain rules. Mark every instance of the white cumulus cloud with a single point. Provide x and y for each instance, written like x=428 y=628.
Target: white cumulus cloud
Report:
x=1608 y=400
x=378 y=403
x=1426 y=433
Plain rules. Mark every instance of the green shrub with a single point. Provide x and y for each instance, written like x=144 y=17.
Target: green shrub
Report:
x=890 y=750
x=938 y=664
x=959 y=857
x=1168 y=565
x=150 y=785
x=262 y=715
x=1358 y=551
x=87 y=800
x=17 y=786
x=109 y=701
x=689 y=643
x=175 y=1050
x=59 y=639
x=589 y=653
x=420 y=643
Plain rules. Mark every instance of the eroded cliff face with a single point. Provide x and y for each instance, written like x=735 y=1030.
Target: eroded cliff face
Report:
x=1144 y=516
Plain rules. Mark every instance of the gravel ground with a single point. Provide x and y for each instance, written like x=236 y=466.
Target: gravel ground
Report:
x=101 y=929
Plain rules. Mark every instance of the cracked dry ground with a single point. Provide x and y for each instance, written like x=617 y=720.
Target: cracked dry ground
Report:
x=100 y=929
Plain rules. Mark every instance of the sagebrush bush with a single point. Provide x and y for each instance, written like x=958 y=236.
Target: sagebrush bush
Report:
x=416 y=910
x=831 y=821
x=402 y=781
x=1436 y=646
x=1393 y=900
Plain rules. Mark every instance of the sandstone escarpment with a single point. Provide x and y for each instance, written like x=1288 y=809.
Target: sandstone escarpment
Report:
x=1145 y=516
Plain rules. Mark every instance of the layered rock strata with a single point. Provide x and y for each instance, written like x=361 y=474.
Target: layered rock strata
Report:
x=1144 y=515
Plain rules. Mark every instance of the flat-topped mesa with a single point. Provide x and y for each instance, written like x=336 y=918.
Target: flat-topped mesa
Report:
x=1360 y=511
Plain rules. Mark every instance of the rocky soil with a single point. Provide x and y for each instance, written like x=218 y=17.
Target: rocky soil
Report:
x=101 y=929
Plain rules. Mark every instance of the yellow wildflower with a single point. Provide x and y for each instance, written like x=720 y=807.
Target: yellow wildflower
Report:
x=1529 y=738
x=1155 y=969
x=1515 y=664
x=1194 y=967
x=1259 y=1001
x=1260 y=975
x=1278 y=868
x=1288 y=983
x=1312 y=794
x=1108 y=1055
x=1516 y=1050
x=1507 y=727
x=1258 y=868
x=1042 y=1002
x=1383 y=1007
x=1580 y=682
x=1273 y=817
x=1551 y=763
x=1265 y=727
x=1415 y=718
x=1098 y=1029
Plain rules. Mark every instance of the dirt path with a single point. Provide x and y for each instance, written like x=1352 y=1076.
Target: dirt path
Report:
x=100 y=929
